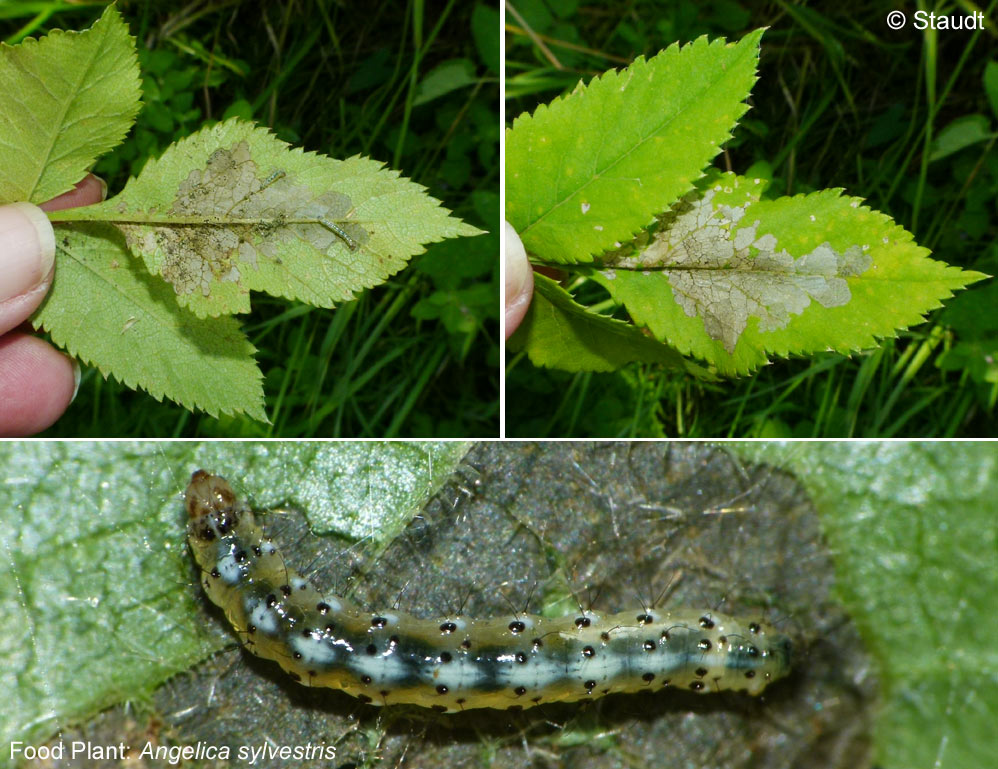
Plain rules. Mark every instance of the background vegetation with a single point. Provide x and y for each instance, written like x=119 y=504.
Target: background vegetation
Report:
x=413 y=84
x=905 y=119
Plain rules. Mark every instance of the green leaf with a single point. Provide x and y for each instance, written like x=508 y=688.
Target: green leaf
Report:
x=445 y=77
x=730 y=278
x=106 y=310
x=594 y=167
x=484 y=22
x=991 y=85
x=914 y=528
x=559 y=333
x=98 y=602
x=232 y=209
x=66 y=99
x=961 y=133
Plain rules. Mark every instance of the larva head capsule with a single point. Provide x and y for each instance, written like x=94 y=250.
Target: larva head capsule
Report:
x=211 y=505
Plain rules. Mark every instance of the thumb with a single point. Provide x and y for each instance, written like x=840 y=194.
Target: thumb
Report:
x=27 y=253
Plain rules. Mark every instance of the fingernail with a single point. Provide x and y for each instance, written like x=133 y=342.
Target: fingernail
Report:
x=77 y=375
x=27 y=248
x=517 y=266
x=103 y=187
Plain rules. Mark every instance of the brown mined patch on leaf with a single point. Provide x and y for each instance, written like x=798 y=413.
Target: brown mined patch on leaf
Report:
x=727 y=275
x=239 y=217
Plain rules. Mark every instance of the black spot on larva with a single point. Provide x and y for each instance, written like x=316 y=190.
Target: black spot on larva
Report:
x=649 y=677
x=215 y=573
x=364 y=698
x=448 y=627
x=583 y=622
x=286 y=589
x=303 y=585
x=521 y=657
x=519 y=691
x=251 y=629
x=590 y=685
x=312 y=674
x=438 y=708
x=307 y=632
x=466 y=643
x=645 y=619
x=588 y=651
x=754 y=627
x=445 y=657
x=297 y=655
x=441 y=689
x=537 y=643
x=271 y=601
x=752 y=651
x=460 y=701
x=395 y=641
x=666 y=636
x=365 y=679
x=650 y=646
x=516 y=627
x=371 y=649
x=384 y=694
x=704 y=645
x=701 y=672
x=750 y=674
x=257 y=551
x=240 y=556
x=604 y=636
x=706 y=622
x=330 y=628
x=378 y=622
x=696 y=686
x=323 y=608
x=722 y=640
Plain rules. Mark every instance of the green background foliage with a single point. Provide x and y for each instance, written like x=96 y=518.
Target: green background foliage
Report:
x=412 y=86
x=841 y=101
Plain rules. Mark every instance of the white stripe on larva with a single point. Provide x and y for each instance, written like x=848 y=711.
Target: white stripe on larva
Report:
x=458 y=663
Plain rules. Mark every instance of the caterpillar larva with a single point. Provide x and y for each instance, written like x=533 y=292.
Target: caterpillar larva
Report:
x=457 y=663
x=340 y=233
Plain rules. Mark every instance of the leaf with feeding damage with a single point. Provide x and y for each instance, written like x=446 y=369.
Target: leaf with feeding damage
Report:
x=731 y=278
x=232 y=209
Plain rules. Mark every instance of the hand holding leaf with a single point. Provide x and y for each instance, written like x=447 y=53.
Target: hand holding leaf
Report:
x=228 y=210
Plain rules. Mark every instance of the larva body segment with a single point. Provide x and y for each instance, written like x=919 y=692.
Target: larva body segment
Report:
x=458 y=663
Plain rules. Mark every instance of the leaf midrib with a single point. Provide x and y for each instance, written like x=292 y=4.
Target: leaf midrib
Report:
x=76 y=91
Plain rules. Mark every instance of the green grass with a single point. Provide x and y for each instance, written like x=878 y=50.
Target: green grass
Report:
x=841 y=101
x=418 y=356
